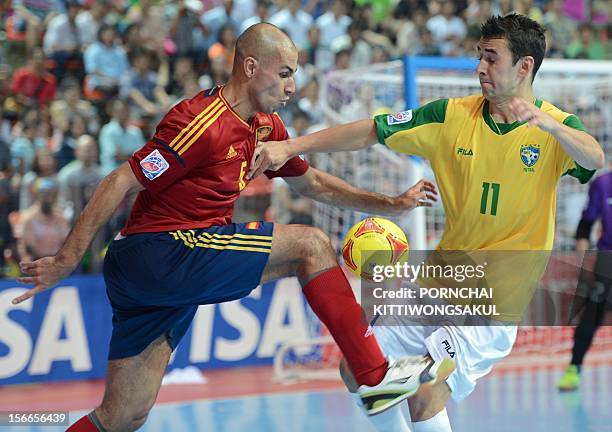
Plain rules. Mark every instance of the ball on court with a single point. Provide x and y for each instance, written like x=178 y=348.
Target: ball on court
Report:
x=373 y=241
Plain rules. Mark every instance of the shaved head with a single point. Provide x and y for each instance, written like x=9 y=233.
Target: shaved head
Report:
x=262 y=41
x=262 y=76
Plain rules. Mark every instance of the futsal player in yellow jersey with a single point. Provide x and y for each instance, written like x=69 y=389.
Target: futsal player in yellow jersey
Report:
x=497 y=159
x=497 y=181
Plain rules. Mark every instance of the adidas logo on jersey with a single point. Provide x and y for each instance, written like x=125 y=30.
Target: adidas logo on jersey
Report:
x=231 y=152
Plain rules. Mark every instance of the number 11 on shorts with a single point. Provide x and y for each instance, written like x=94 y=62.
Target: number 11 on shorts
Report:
x=484 y=200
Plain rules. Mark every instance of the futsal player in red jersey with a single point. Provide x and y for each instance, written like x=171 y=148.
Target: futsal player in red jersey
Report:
x=180 y=249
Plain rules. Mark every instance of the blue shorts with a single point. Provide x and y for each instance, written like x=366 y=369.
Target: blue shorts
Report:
x=155 y=281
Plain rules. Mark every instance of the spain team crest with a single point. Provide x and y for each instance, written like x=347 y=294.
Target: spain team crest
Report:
x=263 y=132
x=530 y=154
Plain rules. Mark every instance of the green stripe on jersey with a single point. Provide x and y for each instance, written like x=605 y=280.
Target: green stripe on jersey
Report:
x=502 y=128
x=582 y=174
x=387 y=125
x=574 y=122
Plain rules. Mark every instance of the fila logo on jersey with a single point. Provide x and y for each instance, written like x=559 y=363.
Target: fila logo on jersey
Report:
x=465 y=152
x=231 y=152
x=448 y=348
x=154 y=165
x=400 y=117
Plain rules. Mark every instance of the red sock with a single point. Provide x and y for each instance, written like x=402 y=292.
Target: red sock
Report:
x=83 y=425
x=330 y=296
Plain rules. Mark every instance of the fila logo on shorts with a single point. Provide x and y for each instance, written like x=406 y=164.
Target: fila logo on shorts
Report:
x=154 y=165
x=400 y=117
x=448 y=348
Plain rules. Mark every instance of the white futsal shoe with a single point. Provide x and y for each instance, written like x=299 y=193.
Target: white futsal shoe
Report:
x=404 y=378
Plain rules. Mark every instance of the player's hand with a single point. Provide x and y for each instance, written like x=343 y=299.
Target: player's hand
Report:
x=269 y=155
x=422 y=194
x=525 y=111
x=43 y=274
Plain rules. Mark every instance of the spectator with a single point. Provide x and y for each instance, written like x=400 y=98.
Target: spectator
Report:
x=361 y=49
x=530 y=9
x=309 y=102
x=262 y=13
x=428 y=45
x=105 y=62
x=118 y=139
x=225 y=14
x=334 y=23
x=377 y=10
x=218 y=74
x=191 y=87
x=90 y=21
x=447 y=29
x=477 y=13
x=32 y=85
x=343 y=59
x=6 y=206
x=301 y=123
x=294 y=21
x=132 y=40
x=44 y=165
x=321 y=58
x=66 y=140
x=25 y=146
x=141 y=88
x=181 y=71
x=32 y=16
x=585 y=45
x=78 y=179
x=406 y=31
x=43 y=227
x=559 y=26
x=7 y=203
x=224 y=48
x=62 y=42
x=70 y=104
x=187 y=32
x=305 y=71
x=149 y=18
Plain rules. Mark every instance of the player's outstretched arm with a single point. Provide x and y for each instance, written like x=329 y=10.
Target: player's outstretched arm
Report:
x=580 y=146
x=272 y=155
x=46 y=272
x=329 y=189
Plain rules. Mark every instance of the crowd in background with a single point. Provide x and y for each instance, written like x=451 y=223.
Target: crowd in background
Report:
x=83 y=84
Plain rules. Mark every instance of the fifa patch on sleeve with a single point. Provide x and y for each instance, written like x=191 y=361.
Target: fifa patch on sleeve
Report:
x=154 y=165
x=400 y=117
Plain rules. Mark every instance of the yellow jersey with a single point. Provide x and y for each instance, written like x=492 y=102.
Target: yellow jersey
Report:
x=497 y=181
x=498 y=188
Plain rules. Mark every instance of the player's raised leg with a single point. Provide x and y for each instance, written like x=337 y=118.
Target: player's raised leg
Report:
x=132 y=385
x=306 y=252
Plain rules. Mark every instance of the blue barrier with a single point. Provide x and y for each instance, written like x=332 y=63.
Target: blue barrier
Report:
x=413 y=64
x=63 y=333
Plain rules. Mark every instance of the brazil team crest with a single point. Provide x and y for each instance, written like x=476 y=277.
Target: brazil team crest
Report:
x=530 y=154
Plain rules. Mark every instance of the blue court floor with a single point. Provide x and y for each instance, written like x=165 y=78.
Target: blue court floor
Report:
x=513 y=402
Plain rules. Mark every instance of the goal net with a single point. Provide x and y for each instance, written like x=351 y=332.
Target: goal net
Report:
x=580 y=87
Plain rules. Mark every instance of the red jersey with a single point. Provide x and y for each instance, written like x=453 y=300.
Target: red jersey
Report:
x=27 y=83
x=195 y=165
